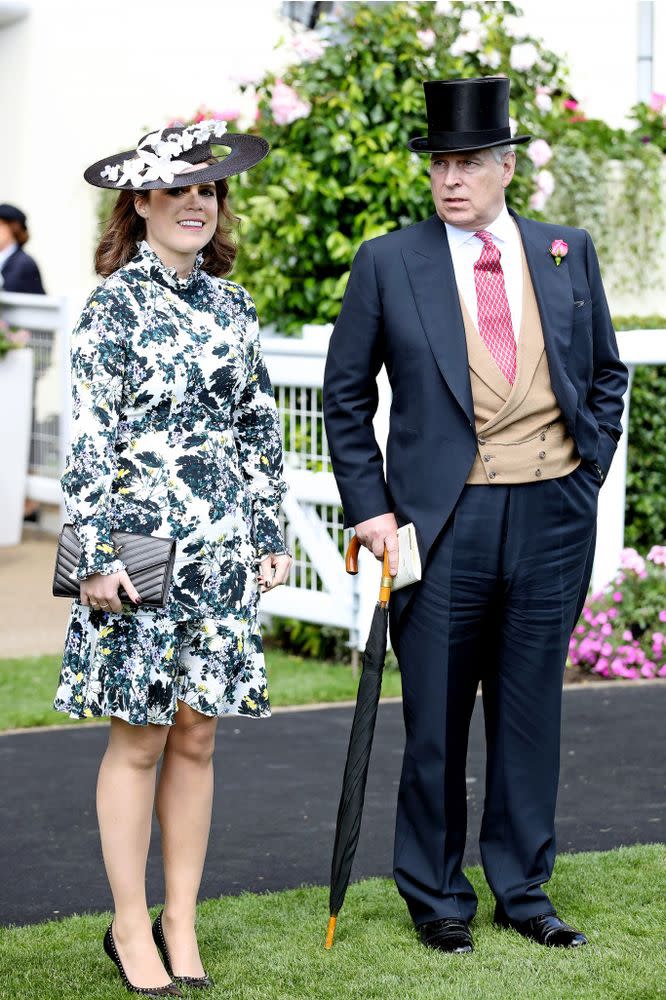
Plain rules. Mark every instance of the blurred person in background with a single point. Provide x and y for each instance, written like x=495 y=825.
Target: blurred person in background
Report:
x=175 y=433
x=18 y=271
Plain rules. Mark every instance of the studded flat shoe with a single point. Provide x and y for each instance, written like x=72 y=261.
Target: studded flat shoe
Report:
x=196 y=982
x=149 y=991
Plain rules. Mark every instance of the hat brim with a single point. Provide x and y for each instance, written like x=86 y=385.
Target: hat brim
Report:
x=246 y=152
x=422 y=144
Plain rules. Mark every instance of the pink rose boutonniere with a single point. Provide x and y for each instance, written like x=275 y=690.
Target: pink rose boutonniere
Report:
x=558 y=250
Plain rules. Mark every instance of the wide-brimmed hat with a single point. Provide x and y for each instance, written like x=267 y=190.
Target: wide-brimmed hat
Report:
x=163 y=159
x=465 y=115
x=10 y=213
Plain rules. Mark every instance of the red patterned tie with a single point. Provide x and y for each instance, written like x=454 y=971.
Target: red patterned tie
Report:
x=495 y=324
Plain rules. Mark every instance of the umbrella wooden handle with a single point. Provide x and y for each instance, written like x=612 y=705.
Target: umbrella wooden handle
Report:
x=351 y=565
x=351 y=558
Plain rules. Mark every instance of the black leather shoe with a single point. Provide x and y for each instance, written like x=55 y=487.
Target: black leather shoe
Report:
x=546 y=929
x=196 y=982
x=447 y=934
x=148 y=991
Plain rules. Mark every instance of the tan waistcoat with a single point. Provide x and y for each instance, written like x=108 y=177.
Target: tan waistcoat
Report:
x=520 y=429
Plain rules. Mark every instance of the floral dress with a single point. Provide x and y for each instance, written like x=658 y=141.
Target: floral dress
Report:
x=175 y=433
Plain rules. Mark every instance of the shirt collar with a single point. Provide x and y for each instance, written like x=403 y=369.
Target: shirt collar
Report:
x=7 y=252
x=502 y=229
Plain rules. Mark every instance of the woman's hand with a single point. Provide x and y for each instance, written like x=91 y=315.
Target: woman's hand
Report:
x=100 y=592
x=273 y=570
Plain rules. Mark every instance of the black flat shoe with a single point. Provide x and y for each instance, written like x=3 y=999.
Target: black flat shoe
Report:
x=196 y=982
x=545 y=929
x=448 y=934
x=149 y=991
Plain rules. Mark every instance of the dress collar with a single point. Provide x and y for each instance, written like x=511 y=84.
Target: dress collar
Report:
x=501 y=229
x=167 y=276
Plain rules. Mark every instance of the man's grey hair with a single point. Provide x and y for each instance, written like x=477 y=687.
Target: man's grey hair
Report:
x=499 y=152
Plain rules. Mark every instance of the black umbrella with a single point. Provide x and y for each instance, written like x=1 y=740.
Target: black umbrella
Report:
x=360 y=743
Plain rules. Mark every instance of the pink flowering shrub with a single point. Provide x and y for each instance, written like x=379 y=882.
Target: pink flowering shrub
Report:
x=11 y=338
x=622 y=630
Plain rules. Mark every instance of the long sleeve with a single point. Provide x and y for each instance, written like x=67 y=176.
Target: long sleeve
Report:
x=355 y=356
x=258 y=442
x=97 y=367
x=610 y=375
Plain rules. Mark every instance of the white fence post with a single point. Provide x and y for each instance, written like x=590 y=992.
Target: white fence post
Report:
x=637 y=347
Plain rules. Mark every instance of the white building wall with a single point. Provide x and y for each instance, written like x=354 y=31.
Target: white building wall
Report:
x=80 y=79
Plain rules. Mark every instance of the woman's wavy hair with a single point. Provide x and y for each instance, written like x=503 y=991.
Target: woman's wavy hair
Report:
x=125 y=228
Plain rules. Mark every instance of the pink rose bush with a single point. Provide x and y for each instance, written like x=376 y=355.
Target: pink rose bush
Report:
x=620 y=632
x=286 y=106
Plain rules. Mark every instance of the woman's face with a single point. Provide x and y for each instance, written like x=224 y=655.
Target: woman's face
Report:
x=179 y=221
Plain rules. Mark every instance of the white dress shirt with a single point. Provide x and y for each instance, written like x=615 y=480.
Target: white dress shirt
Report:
x=6 y=253
x=466 y=249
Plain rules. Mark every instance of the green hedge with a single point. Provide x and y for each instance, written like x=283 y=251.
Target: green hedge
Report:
x=645 y=512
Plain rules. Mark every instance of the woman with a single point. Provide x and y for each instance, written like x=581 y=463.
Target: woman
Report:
x=175 y=432
x=18 y=271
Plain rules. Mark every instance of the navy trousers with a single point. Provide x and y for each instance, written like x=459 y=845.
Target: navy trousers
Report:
x=502 y=588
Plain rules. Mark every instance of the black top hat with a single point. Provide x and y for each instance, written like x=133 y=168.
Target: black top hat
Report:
x=162 y=158
x=465 y=115
x=10 y=213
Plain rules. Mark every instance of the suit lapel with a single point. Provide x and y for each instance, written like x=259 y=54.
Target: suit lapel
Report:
x=433 y=285
x=552 y=288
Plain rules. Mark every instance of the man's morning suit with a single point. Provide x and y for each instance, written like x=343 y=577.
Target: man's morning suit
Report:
x=500 y=482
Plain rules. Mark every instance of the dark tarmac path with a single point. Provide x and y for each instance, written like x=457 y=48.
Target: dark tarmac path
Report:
x=277 y=788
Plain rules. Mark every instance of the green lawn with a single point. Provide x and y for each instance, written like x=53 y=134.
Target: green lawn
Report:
x=27 y=686
x=270 y=947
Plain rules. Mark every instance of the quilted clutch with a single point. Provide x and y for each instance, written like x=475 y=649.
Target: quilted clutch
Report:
x=149 y=561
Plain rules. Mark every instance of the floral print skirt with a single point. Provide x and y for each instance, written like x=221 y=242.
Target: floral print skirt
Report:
x=136 y=665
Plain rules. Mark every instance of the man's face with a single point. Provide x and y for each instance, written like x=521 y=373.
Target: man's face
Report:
x=468 y=188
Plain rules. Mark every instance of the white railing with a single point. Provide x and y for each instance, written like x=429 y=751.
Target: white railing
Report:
x=318 y=589
x=46 y=316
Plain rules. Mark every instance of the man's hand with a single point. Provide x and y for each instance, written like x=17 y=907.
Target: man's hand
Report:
x=101 y=592
x=377 y=532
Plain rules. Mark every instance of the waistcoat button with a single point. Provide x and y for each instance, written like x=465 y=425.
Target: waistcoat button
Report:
x=486 y=458
x=542 y=454
x=538 y=472
x=491 y=475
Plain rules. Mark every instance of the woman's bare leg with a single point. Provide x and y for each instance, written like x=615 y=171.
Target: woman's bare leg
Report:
x=184 y=804
x=125 y=796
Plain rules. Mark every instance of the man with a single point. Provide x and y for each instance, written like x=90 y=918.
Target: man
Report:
x=507 y=397
x=18 y=271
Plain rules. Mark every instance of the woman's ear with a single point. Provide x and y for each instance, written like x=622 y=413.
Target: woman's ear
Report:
x=141 y=206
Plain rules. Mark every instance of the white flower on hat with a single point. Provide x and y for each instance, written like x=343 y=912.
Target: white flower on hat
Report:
x=169 y=147
x=162 y=168
x=132 y=172
x=151 y=139
x=110 y=172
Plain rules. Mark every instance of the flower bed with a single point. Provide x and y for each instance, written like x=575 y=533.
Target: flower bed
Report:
x=622 y=630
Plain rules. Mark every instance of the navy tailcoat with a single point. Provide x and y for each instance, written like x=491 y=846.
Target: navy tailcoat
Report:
x=401 y=309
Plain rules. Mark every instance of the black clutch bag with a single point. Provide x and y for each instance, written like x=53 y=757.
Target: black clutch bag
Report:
x=148 y=559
